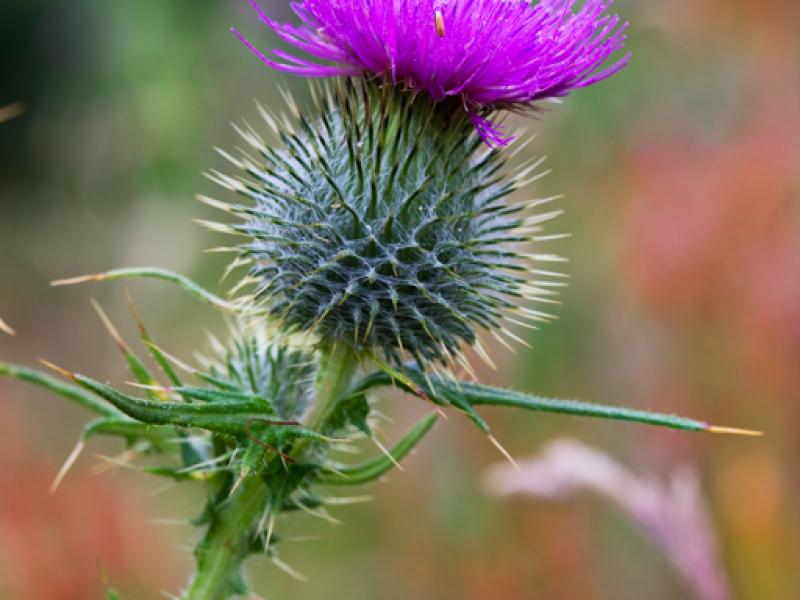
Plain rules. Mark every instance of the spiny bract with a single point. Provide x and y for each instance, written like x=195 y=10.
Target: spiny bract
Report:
x=253 y=363
x=383 y=224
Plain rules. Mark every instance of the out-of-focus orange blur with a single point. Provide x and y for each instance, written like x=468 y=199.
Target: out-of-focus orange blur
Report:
x=682 y=183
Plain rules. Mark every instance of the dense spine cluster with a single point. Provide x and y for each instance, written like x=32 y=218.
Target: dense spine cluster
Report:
x=383 y=223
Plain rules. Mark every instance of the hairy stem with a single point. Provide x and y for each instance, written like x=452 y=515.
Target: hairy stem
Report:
x=336 y=370
x=227 y=543
x=229 y=537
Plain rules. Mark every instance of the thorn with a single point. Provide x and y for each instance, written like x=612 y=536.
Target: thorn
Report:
x=176 y=522
x=388 y=454
x=160 y=490
x=223 y=206
x=303 y=538
x=504 y=343
x=503 y=451
x=733 y=430
x=111 y=462
x=176 y=361
x=134 y=312
x=154 y=388
x=6 y=329
x=484 y=355
x=216 y=227
x=9 y=111
x=320 y=514
x=349 y=500
x=73 y=456
x=242 y=476
x=288 y=570
x=206 y=463
x=109 y=326
x=270 y=529
x=57 y=369
x=79 y=279
x=222 y=249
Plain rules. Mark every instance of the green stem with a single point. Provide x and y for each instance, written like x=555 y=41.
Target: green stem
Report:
x=229 y=537
x=336 y=370
x=227 y=543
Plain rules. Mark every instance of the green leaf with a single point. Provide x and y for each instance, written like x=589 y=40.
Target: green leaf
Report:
x=352 y=411
x=229 y=418
x=220 y=396
x=373 y=469
x=189 y=286
x=135 y=364
x=476 y=395
x=66 y=390
x=131 y=430
x=461 y=394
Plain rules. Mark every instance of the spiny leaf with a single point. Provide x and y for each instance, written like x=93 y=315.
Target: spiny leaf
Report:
x=373 y=469
x=472 y=394
x=67 y=390
x=352 y=411
x=135 y=364
x=227 y=418
x=154 y=350
x=131 y=431
x=189 y=286
x=222 y=396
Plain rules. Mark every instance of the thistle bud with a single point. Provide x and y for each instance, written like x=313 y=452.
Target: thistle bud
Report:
x=382 y=224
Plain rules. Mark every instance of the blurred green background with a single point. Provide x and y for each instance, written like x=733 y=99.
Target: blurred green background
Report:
x=681 y=189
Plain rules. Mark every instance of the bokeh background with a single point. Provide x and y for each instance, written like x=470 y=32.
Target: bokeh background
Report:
x=681 y=178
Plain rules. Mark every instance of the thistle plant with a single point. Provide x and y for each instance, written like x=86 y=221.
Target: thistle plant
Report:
x=378 y=243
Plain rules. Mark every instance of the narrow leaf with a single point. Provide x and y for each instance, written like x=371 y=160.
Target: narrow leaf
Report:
x=224 y=418
x=67 y=390
x=447 y=391
x=131 y=430
x=135 y=364
x=189 y=286
x=373 y=469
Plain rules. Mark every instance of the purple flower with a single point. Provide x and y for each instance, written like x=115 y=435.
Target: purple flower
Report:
x=672 y=513
x=492 y=54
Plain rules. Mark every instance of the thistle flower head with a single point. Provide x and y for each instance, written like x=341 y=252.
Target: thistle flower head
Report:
x=384 y=225
x=491 y=54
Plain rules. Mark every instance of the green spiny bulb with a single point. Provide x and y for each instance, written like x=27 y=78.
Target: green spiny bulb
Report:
x=255 y=364
x=383 y=223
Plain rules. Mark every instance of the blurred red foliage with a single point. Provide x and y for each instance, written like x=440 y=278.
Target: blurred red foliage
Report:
x=710 y=236
x=54 y=546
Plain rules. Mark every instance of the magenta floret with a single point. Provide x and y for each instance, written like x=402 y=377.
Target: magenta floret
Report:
x=492 y=54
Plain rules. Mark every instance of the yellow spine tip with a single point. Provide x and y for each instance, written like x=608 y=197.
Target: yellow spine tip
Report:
x=503 y=451
x=733 y=431
x=57 y=369
x=75 y=280
x=6 y=329
x=112 y=331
